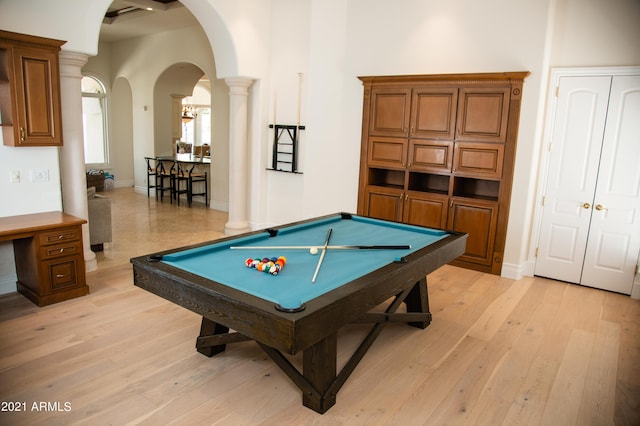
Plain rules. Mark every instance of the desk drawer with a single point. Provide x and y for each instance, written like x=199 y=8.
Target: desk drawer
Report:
x=62 y=274
x=59 y=250
x=60 y=235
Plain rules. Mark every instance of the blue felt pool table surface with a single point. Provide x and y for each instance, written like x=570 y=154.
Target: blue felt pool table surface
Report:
x=293 y=286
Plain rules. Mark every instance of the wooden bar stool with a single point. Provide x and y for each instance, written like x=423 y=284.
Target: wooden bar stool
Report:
x=165 y=180
x=181 y=176
x=152 y=171
x=196 y=176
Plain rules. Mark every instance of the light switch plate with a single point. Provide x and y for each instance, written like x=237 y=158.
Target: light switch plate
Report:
x=39 y=175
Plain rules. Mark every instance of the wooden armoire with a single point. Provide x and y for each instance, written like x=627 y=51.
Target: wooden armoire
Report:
x=439 y=151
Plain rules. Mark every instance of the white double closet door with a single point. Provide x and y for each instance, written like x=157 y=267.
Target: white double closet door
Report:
x=590 y=226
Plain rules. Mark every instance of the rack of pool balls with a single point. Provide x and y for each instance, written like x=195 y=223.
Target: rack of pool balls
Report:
x=271 y=266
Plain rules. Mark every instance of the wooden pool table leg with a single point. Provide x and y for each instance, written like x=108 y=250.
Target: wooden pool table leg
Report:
x=210 y=328
x=319 y=368
x=418 y=301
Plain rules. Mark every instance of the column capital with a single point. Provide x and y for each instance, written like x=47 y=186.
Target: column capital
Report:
x=71 y=63
x=238 y=85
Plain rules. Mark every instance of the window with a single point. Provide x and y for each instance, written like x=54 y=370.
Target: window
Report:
x=198 y=130
x=94 y=120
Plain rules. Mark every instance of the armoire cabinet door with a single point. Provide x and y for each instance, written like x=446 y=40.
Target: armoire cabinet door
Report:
x=477 y=218
x=430 y=155
x=384 y=203
x=433 y=112
x=390 y=112
x=483 y=114
x=387 y=152
x=482 y=160
x=425 y=209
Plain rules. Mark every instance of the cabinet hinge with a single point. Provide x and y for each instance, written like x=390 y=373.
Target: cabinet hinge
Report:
x=537 y=249
x=557 y=91
x=543 y=200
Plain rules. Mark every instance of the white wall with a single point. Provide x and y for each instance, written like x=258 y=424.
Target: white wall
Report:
x=591 y=33
x=121 y=133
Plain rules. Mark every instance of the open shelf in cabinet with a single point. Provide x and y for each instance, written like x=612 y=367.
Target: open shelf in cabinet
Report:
x=476 y=188
x=386 y=178
x=429 y=182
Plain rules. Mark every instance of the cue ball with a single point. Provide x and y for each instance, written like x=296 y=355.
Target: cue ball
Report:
x=313 y=250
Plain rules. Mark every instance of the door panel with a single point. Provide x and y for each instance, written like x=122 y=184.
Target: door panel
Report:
x=478 y=219
x=614 y=236
x=576 y=142
x=434 y=113
x=430 y=155
x=387 y=152
x=475 y=159
x=390 y=112
x=384 y=203
x=426 y=210
x=482 y=114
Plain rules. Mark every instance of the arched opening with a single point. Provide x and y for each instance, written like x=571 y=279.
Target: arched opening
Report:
x=145 y=57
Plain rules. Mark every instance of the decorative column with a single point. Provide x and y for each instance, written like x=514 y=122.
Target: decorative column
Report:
x=72 y=170
x=238 y=99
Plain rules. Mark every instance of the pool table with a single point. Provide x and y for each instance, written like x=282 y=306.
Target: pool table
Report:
x=366 y=262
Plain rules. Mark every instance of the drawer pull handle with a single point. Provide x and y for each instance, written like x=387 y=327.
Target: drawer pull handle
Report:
x=61 y=236
x=60 y=275
x=61 y=250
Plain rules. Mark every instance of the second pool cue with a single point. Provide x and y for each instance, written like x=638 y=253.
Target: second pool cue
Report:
x=324 y=250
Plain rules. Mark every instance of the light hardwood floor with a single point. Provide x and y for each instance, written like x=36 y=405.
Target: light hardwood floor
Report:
x=498 y=351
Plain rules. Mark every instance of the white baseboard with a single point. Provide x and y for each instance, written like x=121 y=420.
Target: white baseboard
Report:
x=516 y=271
x=218 y=205
x=124 y=183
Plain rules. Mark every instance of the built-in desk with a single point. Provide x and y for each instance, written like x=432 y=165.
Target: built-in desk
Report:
x=48 y=254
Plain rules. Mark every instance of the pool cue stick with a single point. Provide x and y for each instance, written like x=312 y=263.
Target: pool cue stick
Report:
x=324 y=250
x=341 y=247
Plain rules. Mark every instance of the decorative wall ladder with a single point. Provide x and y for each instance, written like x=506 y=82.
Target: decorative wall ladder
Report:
x=285 y=147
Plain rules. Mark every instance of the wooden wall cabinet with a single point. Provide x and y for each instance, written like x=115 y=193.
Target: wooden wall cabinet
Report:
x=438 y=151
x=30 y=109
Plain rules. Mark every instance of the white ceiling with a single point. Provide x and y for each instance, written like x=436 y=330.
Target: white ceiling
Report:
x=163 y=17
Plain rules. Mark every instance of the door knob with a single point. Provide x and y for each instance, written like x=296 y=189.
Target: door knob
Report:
x=586 y=206
x=599 y=207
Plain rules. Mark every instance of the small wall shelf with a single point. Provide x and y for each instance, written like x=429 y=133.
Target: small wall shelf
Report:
x=285 y=147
